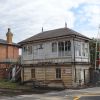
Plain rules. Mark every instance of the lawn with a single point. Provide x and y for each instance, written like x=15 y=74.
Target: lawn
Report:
x=8 y=84
x=5 y=84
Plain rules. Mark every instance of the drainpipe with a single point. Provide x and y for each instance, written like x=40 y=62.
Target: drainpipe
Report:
x=74 y=59
x=23 y=74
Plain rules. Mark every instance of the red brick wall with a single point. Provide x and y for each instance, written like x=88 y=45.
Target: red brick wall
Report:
x=16 y=52
x=3 y=73
x=10 y=52
x=7 y=51
x=2 y=52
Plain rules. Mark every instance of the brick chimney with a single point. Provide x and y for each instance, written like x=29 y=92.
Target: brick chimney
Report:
x=9 y=36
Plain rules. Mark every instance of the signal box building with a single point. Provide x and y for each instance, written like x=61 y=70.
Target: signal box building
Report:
x=57 y=57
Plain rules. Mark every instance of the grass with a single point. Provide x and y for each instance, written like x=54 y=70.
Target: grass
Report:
x=5 y=84
x=8 y=84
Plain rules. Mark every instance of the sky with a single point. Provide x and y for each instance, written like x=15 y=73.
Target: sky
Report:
x=27 y=17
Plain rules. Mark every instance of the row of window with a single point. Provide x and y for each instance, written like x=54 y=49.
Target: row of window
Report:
x=58 y=73
x=60 y=46
x=27 y=49
x=81 y=49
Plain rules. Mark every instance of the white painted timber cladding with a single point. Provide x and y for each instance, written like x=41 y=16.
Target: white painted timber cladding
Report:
x=80 y=73
x=82 y=58
x=46 y=54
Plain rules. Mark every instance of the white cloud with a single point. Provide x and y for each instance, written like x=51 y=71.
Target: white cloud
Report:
x=26 y=17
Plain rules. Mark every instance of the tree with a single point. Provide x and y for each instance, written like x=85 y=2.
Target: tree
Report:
x=95 y=55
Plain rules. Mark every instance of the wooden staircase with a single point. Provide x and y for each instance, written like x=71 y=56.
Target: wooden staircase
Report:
x=17 y=72
x=18 y=75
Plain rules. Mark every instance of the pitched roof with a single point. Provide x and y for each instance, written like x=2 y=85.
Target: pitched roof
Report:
x=53 y=33
x=5 y=43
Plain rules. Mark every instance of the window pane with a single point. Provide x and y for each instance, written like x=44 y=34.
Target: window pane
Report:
x=25 y=49
x=78 y=49
x=54 y=47
x=83 y=48
x=40 y=46
x=33 y=73
x=58 y=72
x=67 y=45
x=29 y=49
x=61 y=46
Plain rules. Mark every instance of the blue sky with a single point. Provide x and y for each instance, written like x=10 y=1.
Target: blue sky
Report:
x=27 y=17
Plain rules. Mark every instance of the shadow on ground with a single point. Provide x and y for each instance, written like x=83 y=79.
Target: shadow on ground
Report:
x=39 y=90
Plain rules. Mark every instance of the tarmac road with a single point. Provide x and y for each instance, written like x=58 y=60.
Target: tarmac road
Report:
x=33 y=97
x=67 y=94
x=90 y=98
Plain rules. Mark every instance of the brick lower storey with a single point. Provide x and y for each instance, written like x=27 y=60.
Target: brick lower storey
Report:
x=3 y=73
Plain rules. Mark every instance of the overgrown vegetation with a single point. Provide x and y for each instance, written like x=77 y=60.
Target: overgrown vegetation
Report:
x=12 y=85
x=7 y=84
x=93 y=52
x=92 y=45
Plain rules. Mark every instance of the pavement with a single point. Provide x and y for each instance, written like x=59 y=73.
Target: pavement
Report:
x=67 y=94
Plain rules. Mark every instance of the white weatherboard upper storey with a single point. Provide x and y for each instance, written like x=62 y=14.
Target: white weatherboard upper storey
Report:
x=42 y=52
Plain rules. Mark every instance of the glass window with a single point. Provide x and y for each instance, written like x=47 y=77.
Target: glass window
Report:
x=78 y=49
x=33 y=73
x=61 y=46
x=29 y=49
x=67 y=45
x=40 y=46
x=54 y=47
x=86 y=50
x=83 y=49
x=24 y=49
x=58 y=73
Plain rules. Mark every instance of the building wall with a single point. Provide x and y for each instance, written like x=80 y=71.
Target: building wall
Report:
x=82 y=53
x=46 y=55
x=2 y=52
x=13 y=52
x=8 y=53
x=79 y=53
x=82 y=74
x=48 y=74
x=2 y=72
x=16 y=52
x=42 y=54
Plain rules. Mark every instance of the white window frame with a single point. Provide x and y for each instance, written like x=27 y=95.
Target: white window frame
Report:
x=54 y=46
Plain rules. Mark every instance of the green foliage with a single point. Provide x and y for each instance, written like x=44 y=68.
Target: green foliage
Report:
x=92 y=45
x=93 y=52
x=7 y=84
